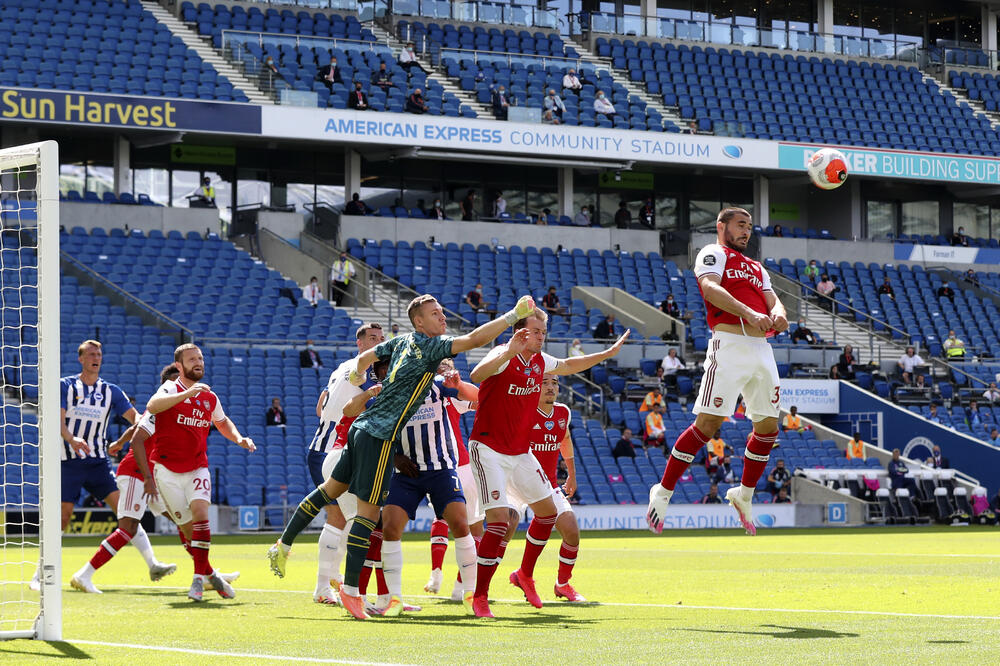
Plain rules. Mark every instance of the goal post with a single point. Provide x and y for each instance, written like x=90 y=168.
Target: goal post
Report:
x=30 y=469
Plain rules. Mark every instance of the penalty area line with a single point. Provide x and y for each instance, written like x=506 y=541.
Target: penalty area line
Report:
x=618 y=604
x=222 y=653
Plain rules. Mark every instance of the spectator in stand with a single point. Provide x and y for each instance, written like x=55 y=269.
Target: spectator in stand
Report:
x=276 y=414
x=973 y=417
x=653 y=398
x=897 y=474
x=655 y=430
x=408 y=59
x=624 y=446
x=715 y=450
x=499 y=205
x=855 y=448
x=468 y=206
x=725 y=473
x=812 y=271
x=779 y=478
x=671 y=365
x=845 y=365
x=355 y=206
x=340 y=277
x=605 y=329
x=782 y=497
x=919 y=391
x=382 y=78
x=792 y=420
x=603 y=106
x=571 y=81
x=582 y=218
x=971 y=277
x=576 y=349
x=777 y=231
x=907 y=362
x=712 y=497
x=269 y=70
x=954 y=347
x=938 y=461
x=551 y=302
x=474 y=299
x=647 y=214
x=992 y=394
x=669 y=307
x=803 y=334
x=994 y=436
x=436 y=212
x=554 y=103
x=311 y=292
x=500 y=103
x=623 y=218
x=959 y=238
x=549 y=119
x=946 y=291
x=934 y=416
x=393 y=332
x=826 y=288
x=309 y=357
x=329 y=74
x=886 y=288
x=415 y=103
x=357 y=99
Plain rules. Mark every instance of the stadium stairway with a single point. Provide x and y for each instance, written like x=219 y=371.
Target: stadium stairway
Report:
x=448 y=84
x=633 y=88
x=204 y=49
x=945 y=81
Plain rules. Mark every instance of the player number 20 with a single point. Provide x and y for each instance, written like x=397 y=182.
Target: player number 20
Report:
x=202 y=484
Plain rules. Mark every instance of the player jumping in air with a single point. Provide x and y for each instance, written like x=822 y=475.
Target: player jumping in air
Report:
x=365 y=468
x=510 y=378
x=742 y=310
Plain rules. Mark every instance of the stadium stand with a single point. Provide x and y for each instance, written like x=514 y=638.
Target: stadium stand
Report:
x=126 y=198
x=77 y=45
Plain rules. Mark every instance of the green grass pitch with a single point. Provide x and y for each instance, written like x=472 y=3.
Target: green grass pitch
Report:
x=786 y=596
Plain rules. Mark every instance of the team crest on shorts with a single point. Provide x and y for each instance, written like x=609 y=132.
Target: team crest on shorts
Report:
x=549 y=425
x=717 y=402
x=177 y=513
x=136 y=508
x=495 y=494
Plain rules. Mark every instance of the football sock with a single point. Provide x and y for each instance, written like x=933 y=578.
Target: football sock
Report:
x=372 y=557
x=307 y=509
x=567 y=558
x=357 y=548
x=141 y=542
x=755 y=460
x=477 y=539
x=682 y=455
x=465 y=556
x=380 y=585
x=201 y=541
x=487 y=561
x=538 y=535
x=392 y=566
x=439 y=543
x=110 y=547
x=184 y=540
x=502 y=549
x=330 y=555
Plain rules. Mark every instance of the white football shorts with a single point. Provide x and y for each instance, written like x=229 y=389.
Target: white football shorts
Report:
x=132 y=500
x=347 y=502
x=558 y=498
x=739 y=364
x=473 y=512
x=179 y=489
x=495 y=472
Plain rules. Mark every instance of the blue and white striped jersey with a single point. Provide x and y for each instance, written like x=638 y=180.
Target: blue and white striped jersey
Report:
x=428 y=438
x=339 y=391
x=88 y=410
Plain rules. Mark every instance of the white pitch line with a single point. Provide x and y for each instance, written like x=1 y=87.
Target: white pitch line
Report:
x=222 y=653
x=638 y=605
x=990 y=556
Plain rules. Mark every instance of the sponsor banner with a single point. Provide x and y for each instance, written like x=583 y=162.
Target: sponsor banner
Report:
x=946 y=254
x=633 y=517
x=134 y=112
x=100 y=522
x=482 y=135
x=811 y=396
x=900 y=164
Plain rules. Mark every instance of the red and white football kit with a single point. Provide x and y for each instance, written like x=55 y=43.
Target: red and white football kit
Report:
x=545 y=437
x=131 y=492
x=181 y=456
x=499 y=446
x=737 y=364
x=473 y=507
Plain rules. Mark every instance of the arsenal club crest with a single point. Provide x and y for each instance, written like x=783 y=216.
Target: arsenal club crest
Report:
x=717 y=402
x=562 y=423
x=495 y=494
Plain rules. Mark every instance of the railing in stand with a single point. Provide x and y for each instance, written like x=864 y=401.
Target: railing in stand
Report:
x=504 y=58
x=472 y=11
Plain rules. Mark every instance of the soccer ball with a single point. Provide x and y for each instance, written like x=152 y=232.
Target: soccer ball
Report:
x=827 y=168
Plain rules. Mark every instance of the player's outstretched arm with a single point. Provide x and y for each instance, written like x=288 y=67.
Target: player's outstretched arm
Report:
x=468 y=392
x=716 y=294
x=570 y=366
x=320 y=403
x=120 y=442
x=356 y=405
x=499 y=356
x=227 y=429
x=163 y=401
x=138 y=444
x=490 y=331
x=365 y=361
x=777 y=310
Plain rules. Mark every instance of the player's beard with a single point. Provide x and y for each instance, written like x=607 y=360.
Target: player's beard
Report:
x=732 y=244
x=193 y=375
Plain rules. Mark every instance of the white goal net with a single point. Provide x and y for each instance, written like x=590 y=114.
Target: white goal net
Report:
x=29 y=372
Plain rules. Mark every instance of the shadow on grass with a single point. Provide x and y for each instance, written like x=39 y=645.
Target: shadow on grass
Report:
x=778 y=631
x=66 y=651
x=462 y=619
x=949 y=642
x=188 y=603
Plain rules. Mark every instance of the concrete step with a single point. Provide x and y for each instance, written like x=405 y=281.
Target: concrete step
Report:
x=203 y=46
